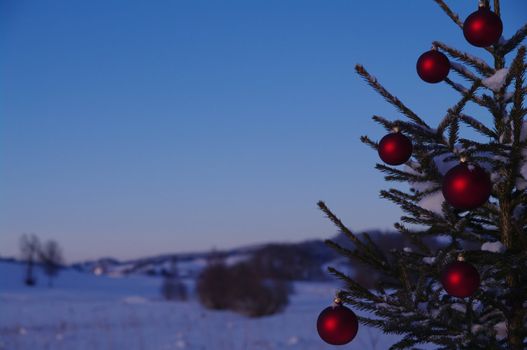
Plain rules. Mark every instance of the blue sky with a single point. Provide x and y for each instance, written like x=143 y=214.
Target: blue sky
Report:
x=131 y=128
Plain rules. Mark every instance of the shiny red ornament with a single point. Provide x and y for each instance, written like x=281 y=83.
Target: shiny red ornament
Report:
x=466 y=187
x=395 y=149
x=483 y=28
x=433 y=66
x=337 y=325
x=460 y=279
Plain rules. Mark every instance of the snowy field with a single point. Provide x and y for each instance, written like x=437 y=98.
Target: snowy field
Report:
x=95 y=312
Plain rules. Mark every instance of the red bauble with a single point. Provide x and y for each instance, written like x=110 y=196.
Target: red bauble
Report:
x=466 y=187
x=337 y=325
x=460 y=279
x=433 y=66
x=483 y=27
x=395 y=149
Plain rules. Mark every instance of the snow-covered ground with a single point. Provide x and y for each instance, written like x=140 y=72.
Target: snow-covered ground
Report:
x=84 y=311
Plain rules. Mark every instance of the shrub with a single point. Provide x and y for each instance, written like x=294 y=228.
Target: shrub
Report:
x=214 y=286
x=255 y=296
x=242 y=289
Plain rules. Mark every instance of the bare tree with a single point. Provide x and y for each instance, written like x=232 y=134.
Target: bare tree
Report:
x=51 y=259
x=29 y=249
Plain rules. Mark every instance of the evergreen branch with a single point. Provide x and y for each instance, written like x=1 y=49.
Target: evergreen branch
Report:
x=405 y=343
x=445 y=122
x=453 y=133
x=414 y=238
x=396 y=197
x=463 y=90
x=477 y=125
x=372 y=81
x=515 y=69
x=370 y=259
x=399 y=175
x=371 y=322
x=463 y=71
x=356 y=289
x=366 y=140
x=388 y=125
x=473 y=147
x=375 y=248
x=481 y=66
x=453 y=16
x=451 y=118
x=514 y=41
x=412 y=128
x=340 y=225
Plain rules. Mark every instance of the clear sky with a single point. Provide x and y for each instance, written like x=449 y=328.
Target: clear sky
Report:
x=130 y=128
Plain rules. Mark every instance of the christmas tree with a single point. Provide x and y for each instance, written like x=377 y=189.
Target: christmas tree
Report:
x=471 y=194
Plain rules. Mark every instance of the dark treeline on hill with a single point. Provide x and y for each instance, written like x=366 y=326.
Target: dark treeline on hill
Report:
x=282 y=261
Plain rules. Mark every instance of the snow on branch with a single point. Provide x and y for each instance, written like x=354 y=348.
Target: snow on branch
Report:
x=501 y=330
x=462 y=70
x=460 y=88
x=494 y=247
x=430 y=260
x=497 y=80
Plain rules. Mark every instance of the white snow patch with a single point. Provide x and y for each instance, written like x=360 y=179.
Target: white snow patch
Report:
x=476 y=328
x=433 y=202
x=445 y=165
x=430 y=260
x=407 y=249
x=496 y=81
x=459 y=307
x=501 y=330
x=420 y=186
x=464 y=70
x=292 y=340
x=435 y=312
x=495 y=247
x=135 y=300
